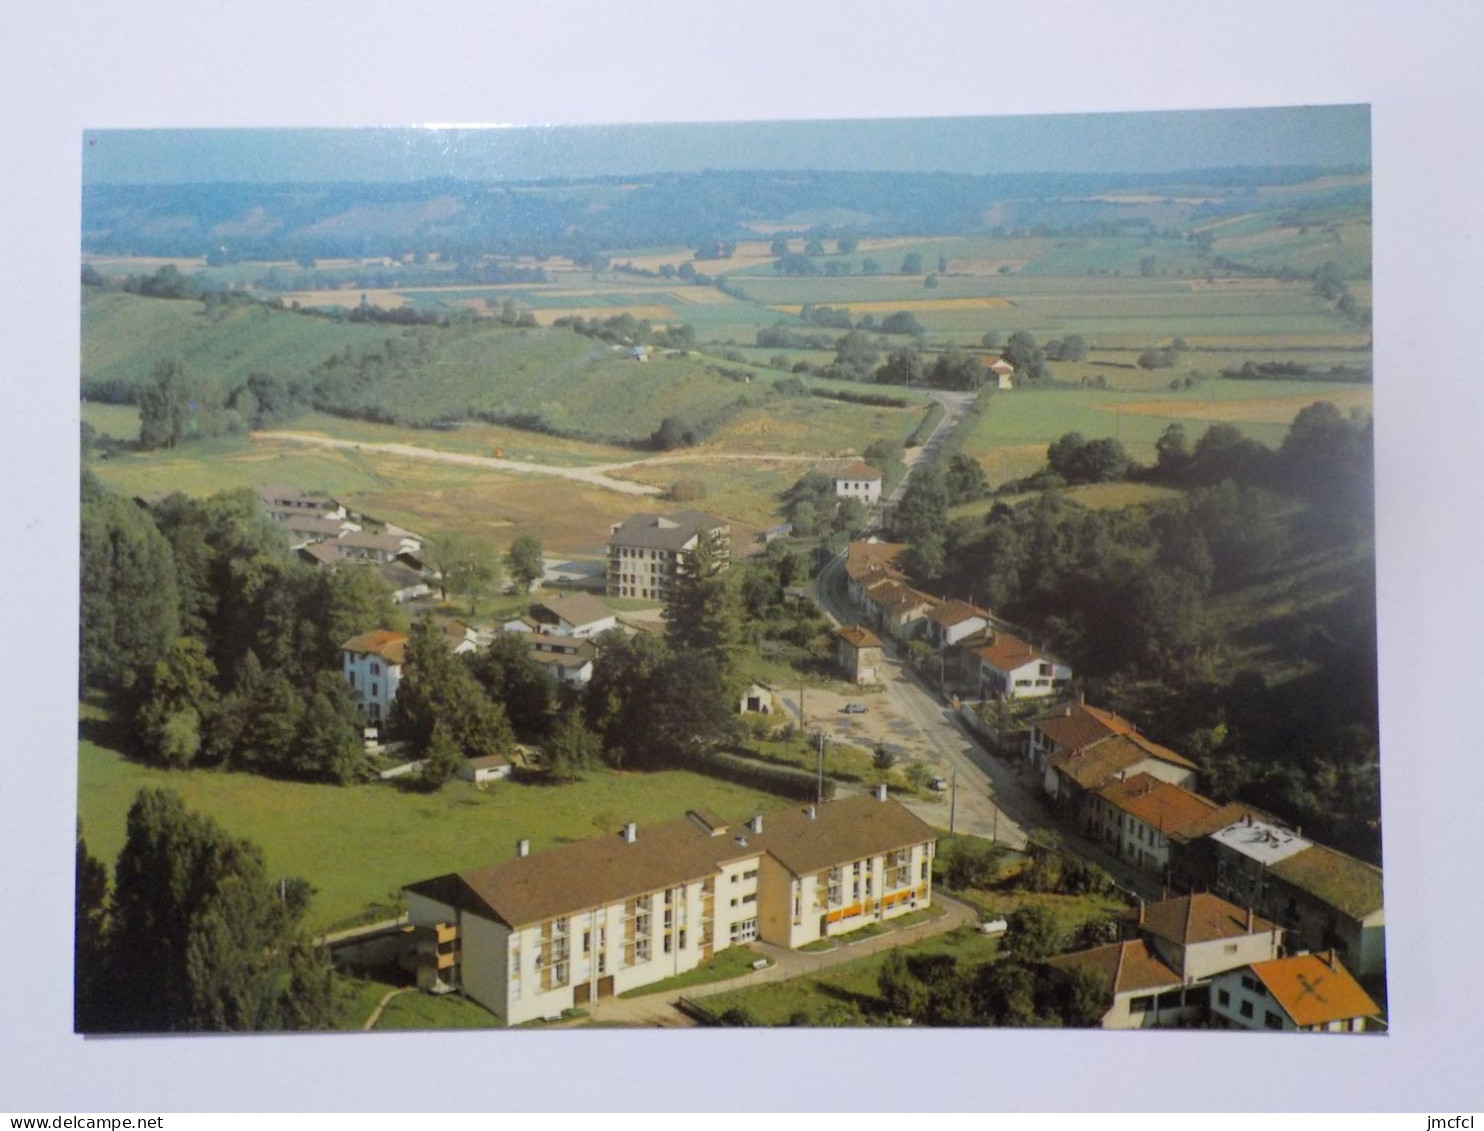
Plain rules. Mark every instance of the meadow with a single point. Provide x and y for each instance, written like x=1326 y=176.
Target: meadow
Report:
x=359 y=844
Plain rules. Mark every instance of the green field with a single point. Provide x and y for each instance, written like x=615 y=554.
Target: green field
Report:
x=358 y=845
x=116 y=421
x=123 y=335
x=1011 y=434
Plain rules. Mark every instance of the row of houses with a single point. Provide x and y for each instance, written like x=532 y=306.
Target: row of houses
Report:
x=324 y=535
x=1139 y=800
x=1201 y=959
x=540 y=933
x=979 y=654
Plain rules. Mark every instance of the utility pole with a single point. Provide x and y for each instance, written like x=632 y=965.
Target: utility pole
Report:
x=819 y=788
x=953 y=800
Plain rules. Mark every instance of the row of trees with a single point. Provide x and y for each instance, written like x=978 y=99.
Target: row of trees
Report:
x=193 y=935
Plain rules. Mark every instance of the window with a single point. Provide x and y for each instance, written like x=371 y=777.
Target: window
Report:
x=1229 y=948
x=587 y=942
x=1223 y=997
x=641 y=950
x=667 y=942
x=375 y=668
x=1141 y=1004
x=1170 y=999
x=752 y=875
x=750 y=897
x=1271 y=1020
x=375 y=691
x=1246 y=1010
x=682 y=938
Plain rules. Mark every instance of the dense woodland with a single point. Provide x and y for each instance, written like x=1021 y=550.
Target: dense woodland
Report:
x=1151 y=604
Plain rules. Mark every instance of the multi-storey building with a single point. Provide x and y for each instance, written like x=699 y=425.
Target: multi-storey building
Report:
x=647 y=552
x=1303 y=992
x=537 y=934
x=372 y=663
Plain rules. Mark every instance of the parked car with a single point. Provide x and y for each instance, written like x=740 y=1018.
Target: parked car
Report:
x=854 y=708
x=939 y=784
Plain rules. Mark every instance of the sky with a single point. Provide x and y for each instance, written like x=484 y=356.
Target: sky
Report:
x=1088 y=143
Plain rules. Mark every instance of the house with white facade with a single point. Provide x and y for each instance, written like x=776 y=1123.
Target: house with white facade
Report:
x=282 y=503
x=647 y=552
x=1001 y=372
x=359 y=546
x=859 y=481
x=1202 y=935
x=858 y=652
x=1141 y=989
x=1136 y=815
x=566 y=660
x=372 y=663
x=952 y=621
x=1069 y=727
x=541 y=933
x=1009 y=668
x=573 y=614
x=1311 y=993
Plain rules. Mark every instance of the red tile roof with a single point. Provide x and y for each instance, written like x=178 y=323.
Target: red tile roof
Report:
x=1006 y=653
x=1121 y=967
x=858 y=470
x=1075 y=725
x=1198 y=919
x=1314 y=989
x=858 y=637
x=956 y=612
x=390 y=646
x=1157 y=803
x=865 y=559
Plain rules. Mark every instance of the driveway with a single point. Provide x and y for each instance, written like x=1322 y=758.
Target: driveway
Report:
x=659 y=1009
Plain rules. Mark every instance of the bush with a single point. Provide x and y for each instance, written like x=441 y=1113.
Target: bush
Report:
x=786 y=781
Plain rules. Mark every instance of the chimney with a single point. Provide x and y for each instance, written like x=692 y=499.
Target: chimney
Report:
x=1141 y=912
x=812 y=813
x=522 y=847
x=1334 y=961
x=1249 y=919
x=881 y=792
x=756 y=824
x=630 y=833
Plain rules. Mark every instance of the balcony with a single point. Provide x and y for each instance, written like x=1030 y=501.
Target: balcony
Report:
x=449 y=958
x=445 y=933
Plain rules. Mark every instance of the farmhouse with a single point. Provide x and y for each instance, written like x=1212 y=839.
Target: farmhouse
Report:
x=869 y=562
x=647 y=552
x=1303 y=992
x=858 y=652
x=859 y=481
x=896 y=608
x=567 y=660
x=1001 y=372
x=372 y=662
x=1070 y=726
x=541 y=933
x=951 y=621
x=379 y=548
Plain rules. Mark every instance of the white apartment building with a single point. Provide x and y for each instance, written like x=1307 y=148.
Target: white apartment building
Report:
x=538 y=934
x=645 y=552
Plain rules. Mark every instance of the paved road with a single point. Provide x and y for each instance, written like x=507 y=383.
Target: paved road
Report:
x=659 y=1009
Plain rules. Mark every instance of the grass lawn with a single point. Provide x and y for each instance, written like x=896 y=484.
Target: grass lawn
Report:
x=117 y=421
x=845 y=994
x=355 y=998
x=1070 y=911
x=359 y=844
x=472 y=438
x=729 y=963
x=417 y=1010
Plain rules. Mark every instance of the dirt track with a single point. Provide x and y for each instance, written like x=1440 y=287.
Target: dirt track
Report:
x=596 y=475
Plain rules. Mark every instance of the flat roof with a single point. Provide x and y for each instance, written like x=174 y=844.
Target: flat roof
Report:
x=1261 y=841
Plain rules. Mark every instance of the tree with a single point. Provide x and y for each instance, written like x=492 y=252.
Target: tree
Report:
x=441 y=759
x=198 y=937
x=870 y=267
x=965 y=480
x=524 y=562
x=903 y=366
x=571 y=748
x=164 y=405
x=178 y=698
x=510 y=676
x=1082 y=1000
x=846 y=242
x=437 y=687
x=129 y=607
x=912 y=263
x=469 y=567
x=882 y=760
x=902 y=322
x=1172 y=450
x=779 y=247
x=1031 y=933
x=814 y=246
x=856 y=355
x=703 y=613
x=89 y=939
x=901 y=992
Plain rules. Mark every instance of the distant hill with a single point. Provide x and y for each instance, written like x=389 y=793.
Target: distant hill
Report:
x=580 y=218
